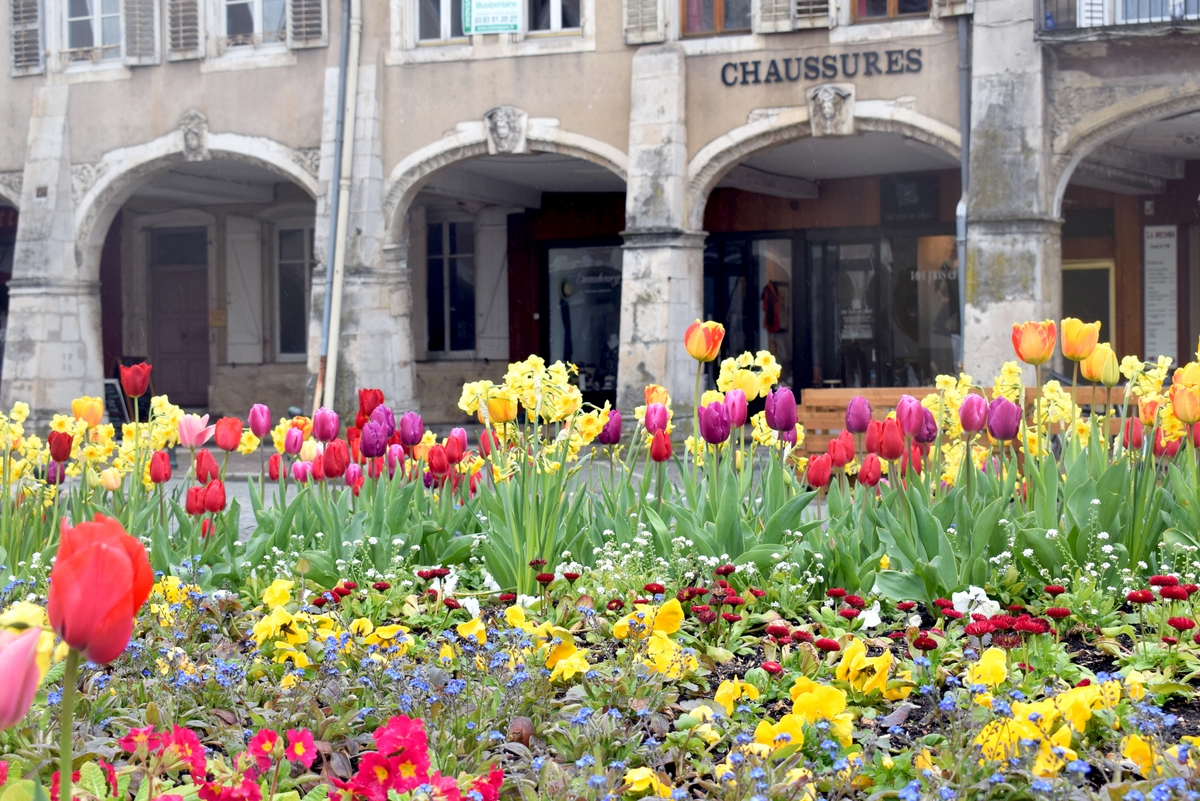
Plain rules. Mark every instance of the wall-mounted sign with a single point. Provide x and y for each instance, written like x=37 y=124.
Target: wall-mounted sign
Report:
x=908 y=199
x=1160 y=271
x=813 y=68
x=491 y=16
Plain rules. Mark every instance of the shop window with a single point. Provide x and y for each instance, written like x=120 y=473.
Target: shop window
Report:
x=253 y=22
x=553 y=15
x=700 y=17
x=450 y=261
x=874 y=10
x=1087 y=292
x=585 y=312
x=438 y=20
x=293 y=272
x=93 y=30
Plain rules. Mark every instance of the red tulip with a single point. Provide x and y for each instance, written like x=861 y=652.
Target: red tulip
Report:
x=228 y=433
x=317 y=468
x=891 y=441
x=874 y=434
x=915 y=458
x=160 y=467
x=368 y=399
x=1168 y=448
x=456 y=447
x=841 y=449
x=194 y=503
x=1133 y=434
x=871 y=471
x=101 y=577
x=206 y=466
x=135 y=379
x=214 y=496
x=60 y=445
x=335 y=459
x=660 y=446
x=439 y=461
x=819 y=468
x=273 y=466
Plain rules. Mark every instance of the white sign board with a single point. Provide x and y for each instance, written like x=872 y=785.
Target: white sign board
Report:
x=491 y=16
x=1160 y=272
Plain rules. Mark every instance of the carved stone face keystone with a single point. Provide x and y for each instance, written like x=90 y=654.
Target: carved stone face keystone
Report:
x=506 y=130
x=831 y=109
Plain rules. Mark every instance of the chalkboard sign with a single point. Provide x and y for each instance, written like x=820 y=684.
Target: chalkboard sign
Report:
x=115 y=403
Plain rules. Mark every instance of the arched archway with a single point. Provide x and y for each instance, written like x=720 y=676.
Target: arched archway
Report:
x=1126 y=181
x=479 y=226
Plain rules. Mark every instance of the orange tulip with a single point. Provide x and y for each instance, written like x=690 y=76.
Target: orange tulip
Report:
x=1147 y=411
x=703 y=340
x=502 y=408
x=88 y=409
x=1188 y=374
x=1079 y=338
x=1034 y=342
x=656 y=394
x=1101 y=366
x=1185 y=401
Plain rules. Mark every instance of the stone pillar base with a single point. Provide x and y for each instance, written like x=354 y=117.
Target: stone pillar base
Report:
x=661 y=295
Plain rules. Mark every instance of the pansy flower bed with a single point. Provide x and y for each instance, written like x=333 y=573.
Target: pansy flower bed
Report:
x=967 y=596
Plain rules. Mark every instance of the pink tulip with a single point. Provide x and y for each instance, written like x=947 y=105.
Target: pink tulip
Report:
x=194 y=431
x=19 y=666
x=260 y=420
x=325 y=425
x=293 y=441
x=300 y=471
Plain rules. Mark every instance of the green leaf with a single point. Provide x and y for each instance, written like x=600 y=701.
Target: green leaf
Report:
x=21 y=790
x=91 y=779
x=897 y=586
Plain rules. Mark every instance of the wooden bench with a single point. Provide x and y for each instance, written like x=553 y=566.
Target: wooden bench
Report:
x=822 y=412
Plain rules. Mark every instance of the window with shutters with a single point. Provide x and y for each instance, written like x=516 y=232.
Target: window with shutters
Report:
x=707 y=17
x=249 y=23
x=141 y=32
x=439 y=20
x=645 y=22
x=306 y=23
x=93 y=30
x=25 y=36
x=185 y=32
x=875 y=10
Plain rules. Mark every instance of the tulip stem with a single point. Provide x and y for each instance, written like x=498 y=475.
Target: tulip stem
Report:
x=67 y=725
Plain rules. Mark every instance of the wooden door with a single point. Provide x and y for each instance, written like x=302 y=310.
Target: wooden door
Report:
x=179 y=315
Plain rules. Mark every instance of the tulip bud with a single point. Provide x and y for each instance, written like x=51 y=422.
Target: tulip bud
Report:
x=929 y=429
x=891 y=441
x=60 y=445
x=214 y=496
x=326 y=424
x=273 y=466
x=454 y=449
x=19 y=666
x=135 y=379
x=111 y=478
x=206 y=466
x=1101 y=367
x=858 y=414
x=160 y=467
x=395 y=456
x=972 y=414
x=841 y=449
x=781 y=411
x=909 y=415
x=374 y=441
x=412 y=429
x=293 y=441
x=260 y=420
x=1079 y=338
x=611 y=433
x=703 y=340
x=714 y=423
x=1034 y=342
x=735 y=406
x=874 y=432
x=55 y=473
x=1132 y=437
x=194 y=502
x=502 y=408
x=660 y=446
x=310 y=450
x=438 y=460
x=316 y=468
x=228 y=433
x=336 y=458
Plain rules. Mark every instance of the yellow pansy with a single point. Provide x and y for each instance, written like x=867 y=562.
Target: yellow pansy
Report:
x=645 y=780
x=647 y=619
x=789 y=731
x=731 y=691
x=991 y=669
x=571 y=666
x=279 y=593
x=665 y=656
x=473 y=628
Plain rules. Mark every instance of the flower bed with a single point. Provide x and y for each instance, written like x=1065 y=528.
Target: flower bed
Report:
x=961 y=598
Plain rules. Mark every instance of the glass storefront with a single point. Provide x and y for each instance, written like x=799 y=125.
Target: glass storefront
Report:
x=861 y=307
x=585 y=312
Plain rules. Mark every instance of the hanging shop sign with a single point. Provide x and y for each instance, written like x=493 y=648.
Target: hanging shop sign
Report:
x=491 y=16
x=826 y=67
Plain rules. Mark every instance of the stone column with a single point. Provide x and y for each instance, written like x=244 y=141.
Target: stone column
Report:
x=663 y=263
x=53 y=350
x=376 y=341
x=1014 y=266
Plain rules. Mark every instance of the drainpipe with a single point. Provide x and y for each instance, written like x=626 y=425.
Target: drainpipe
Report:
x=331 y=324
x=960 y=213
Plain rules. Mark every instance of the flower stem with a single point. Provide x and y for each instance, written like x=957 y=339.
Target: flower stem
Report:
x=67 y=725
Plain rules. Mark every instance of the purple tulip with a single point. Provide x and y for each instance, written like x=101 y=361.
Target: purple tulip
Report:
x=929 y=429
x=386 y=420
x=412 y=428
x=353 y=474
x=1004 y=419
x=973 y=413
x=787 y=436
x=858 y=415
x=293 y=441
x=656 y=418
x=374 y=441
x=735 y=407
x=300 y=472
x=395 y=456
x=325 y=425
x=260 y=420
x=611 y=433
x=910 y=415
x=781 y=411
x=55 y=473
x=714 y=423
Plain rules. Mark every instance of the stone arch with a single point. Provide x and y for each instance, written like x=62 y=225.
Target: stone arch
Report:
x=121 y=171
x=770 y=127
x=10 y=191
x=1107 y=123
x=470 y=140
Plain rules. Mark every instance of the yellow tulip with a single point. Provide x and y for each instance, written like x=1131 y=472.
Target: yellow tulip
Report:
x=110 y=479
x=703 y=340
x=1034 y=341
x=1101 y=366
x=1079 y=338
x=88 y=409
x=1185 y=402
x=502 y=408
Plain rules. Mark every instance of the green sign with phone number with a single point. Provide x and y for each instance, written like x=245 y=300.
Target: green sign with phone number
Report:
x=491 y=16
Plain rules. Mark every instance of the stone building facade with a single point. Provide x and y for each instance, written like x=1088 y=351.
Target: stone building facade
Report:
x=584 y=187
